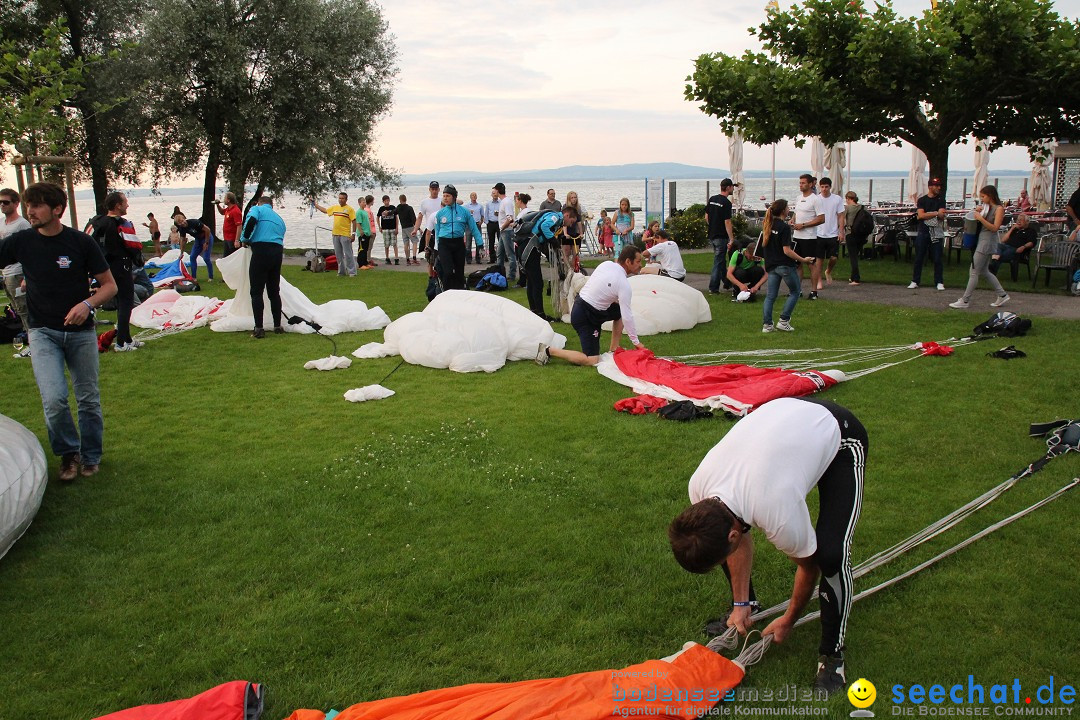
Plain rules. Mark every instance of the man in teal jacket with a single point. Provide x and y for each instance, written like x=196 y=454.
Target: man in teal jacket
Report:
x=451 y=224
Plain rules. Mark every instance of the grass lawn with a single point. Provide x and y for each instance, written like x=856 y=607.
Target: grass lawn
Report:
x=249 y=523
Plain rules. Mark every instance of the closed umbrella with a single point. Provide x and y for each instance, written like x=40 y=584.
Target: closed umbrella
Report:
x=1040 y=177
x=982 y=168
x=735 y=167
x=817 y=158
x=835 y=162
x=917 y=176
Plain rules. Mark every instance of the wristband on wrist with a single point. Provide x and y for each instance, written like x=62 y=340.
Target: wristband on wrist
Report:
x=741 y=604
x=84 y=302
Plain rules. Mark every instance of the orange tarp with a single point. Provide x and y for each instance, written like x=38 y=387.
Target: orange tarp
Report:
x=684 y=688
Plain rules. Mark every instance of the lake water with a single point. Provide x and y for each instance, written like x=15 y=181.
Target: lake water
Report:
x=306 y=229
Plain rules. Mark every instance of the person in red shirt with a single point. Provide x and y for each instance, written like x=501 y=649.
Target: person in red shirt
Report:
x=234 y=218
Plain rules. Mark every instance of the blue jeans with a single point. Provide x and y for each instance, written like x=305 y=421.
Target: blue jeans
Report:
x=507 y=255
x=923 y=243
x=719 y=264
x=790 y=276
x=201 y=247
x=53 y=349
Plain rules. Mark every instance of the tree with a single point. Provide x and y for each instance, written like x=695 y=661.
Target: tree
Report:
x=285 y=93
x=1004 y=70
x=34 y=86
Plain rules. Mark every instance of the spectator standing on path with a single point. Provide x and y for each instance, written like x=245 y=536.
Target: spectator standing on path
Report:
x=858 y=224
x=990 y=216
x=155 y=232
x=14 y=285
x=344 y=218
x=808 y=215
x=831 y=232
x=58 y=262
x=452 y=223
x=108 y=234
x=388 y=224
x=365 y=233
x=230 y=228
x=721 y=232
x=624 y=225
x=407 y=219
x=494 y=232
x=477 y=211
x=425 y=219
x=264 y=233
x=781 y=261
x=930 y=235
x=508 y=211
x=202 y=242
x=550 y=203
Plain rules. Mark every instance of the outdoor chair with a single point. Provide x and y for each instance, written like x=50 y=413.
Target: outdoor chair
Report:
x=1056 y=255
x=954 y=237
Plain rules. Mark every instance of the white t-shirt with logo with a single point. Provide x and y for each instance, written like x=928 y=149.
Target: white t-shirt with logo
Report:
x=506 y=212
x=428 y=207
x=806 y=210
x=667 y=254
x=832 y=206
x=766 y=465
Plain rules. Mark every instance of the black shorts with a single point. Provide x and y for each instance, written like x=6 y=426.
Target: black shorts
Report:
x=827 y=247
x=807 y=247
x=587 y=320
x=155 y=236
x=665 y=273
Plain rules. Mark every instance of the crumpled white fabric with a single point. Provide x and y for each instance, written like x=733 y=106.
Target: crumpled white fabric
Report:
x=336 y=316
x=368 y=392
x=466 y=332
x=332 y=362
x=23 y=477
x=167 y=258
x=372 y=350
x=661 y=305
x=170 y=309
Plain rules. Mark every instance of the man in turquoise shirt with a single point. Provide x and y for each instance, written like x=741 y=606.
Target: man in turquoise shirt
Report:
x=264 y=233
x=451 y=224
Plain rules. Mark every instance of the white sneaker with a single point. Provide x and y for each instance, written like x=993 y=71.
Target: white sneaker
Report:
x=137 y=343
x=542 y=356
x=767 y=328
x=940 y=286
x=24 y=353
x=785 y=326
x=959 y=304
x=125 y=347
x=913 y=286
x=1000 y=301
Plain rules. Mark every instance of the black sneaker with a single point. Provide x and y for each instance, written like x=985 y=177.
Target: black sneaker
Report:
x=258 y=333
x=278 y=330
x=812 y=295
x=830 y=673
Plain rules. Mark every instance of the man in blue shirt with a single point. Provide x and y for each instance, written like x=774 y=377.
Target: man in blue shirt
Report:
x=451 y=224
x=264 y=233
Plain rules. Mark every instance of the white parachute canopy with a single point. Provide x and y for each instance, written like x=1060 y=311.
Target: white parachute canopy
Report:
x=168 y=309
x=22 y=480
x=336 y=316
x=662 y=305
x=465 y=331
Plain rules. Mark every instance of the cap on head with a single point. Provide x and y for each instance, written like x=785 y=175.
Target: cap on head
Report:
x=433 y=184
x=726 y=183
x=934 y=181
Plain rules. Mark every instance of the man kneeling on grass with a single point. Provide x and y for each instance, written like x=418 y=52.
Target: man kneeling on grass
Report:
x=606 y=296
x=758 y=475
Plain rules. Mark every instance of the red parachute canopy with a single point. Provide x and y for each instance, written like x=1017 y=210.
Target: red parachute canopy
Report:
x=236 y=700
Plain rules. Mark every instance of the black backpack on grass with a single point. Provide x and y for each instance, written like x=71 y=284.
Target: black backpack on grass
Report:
x=1003 y=324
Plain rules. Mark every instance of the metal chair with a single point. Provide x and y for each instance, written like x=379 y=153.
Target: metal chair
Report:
x=1055 y=255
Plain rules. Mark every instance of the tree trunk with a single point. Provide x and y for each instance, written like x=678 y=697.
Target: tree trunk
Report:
x=254 y=197
x=938 y=158
x=213 y=164
x=99 y=178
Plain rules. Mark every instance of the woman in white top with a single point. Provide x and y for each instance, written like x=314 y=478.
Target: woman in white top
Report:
x=990 y=216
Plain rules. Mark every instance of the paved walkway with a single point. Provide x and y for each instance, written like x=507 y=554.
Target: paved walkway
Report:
x=1033 y=304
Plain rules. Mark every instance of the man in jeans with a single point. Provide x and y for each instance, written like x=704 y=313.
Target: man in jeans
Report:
x=58 y=262
x=718 y=212
x=931 y=233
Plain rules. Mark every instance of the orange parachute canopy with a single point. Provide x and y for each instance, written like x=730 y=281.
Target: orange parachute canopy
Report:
x=686 y=687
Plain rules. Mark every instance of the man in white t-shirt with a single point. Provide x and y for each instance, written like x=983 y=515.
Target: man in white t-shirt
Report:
x=831 y=232
x=14 y=284
x=425 y=219
x=507 y=255
x=758 y=476
x=668 y=259
x=808 y=215
x=605 y=297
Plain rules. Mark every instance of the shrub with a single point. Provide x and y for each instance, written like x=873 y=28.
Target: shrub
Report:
x=689 y=230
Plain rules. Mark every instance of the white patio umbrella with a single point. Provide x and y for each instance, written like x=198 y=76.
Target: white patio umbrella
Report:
x=1040 y=186
x=817 y=158
x=916 y=184
x=835 y=162
x=982 y=168
x=735 y=166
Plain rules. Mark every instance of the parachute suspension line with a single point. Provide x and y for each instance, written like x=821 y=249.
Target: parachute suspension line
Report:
x=729 y=639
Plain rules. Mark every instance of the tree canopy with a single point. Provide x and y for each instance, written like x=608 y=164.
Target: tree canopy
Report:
x=1003 y=70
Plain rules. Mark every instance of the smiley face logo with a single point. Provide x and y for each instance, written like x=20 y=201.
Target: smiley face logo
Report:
x=862 y=693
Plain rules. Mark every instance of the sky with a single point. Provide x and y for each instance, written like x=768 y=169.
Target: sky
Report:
x=513 y=85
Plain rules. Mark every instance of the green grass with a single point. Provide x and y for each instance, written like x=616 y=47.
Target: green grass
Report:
x=250 y=523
